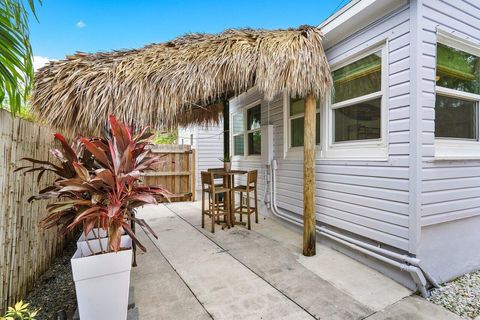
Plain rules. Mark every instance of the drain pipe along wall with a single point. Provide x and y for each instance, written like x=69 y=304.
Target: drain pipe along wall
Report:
x=403 y=262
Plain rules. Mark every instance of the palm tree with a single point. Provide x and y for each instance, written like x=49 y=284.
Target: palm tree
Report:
x=16 y=66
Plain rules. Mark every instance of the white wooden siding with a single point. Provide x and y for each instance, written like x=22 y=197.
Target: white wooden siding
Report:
x=208 y=142
x=369 y=198
x=251 y=163
x=450 y=189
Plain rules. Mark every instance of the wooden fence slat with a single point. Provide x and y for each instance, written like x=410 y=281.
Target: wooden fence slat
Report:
x=175 y=171
x=165 y=174
x=192 y=174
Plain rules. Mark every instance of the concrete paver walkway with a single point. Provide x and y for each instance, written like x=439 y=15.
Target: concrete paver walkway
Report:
x=190 y=273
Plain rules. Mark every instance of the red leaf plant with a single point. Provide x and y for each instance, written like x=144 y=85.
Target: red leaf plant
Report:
x=98 y=184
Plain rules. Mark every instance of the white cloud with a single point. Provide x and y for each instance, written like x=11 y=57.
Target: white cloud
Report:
x=39 y=61
x=80 y=24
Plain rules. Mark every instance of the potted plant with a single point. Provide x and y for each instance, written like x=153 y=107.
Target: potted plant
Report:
x=227 y=163
x=98 y=189
x=96 y=233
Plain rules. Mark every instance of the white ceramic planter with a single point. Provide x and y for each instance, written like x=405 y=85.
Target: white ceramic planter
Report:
x=91 y=235
x=102 y=281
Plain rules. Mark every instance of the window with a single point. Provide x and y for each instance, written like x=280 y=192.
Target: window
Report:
x=354 y=119
x=246 y=131
x=352 y=123
x=296 y=120
x=455 y=118
x=253 y=127
x=358 y=122
x=457 y=98
x=457 y=69
x=357 y=100
x=238 y=135
x=456 y=108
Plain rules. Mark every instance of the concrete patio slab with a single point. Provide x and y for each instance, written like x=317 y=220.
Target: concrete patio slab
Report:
x=414 y=307
x=159 y=291
x=190 y=273
x=368 y=286
x=278 y=266
x=226 y=288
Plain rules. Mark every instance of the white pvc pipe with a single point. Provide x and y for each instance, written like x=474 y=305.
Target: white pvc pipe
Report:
x=413 y=263
x=407 y=259
x=415 y=271
x=401 y=257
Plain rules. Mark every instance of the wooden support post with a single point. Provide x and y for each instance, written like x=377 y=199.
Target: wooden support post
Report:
x=193 y=182
x=309 y=223
x=226 y=129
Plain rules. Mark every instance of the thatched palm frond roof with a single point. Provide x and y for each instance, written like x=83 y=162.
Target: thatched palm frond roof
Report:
x=181 y=81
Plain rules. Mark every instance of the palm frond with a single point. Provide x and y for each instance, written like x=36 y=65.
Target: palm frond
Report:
x=16 y=65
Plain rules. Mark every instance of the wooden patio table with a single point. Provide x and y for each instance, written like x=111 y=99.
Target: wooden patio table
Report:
x=228 y=181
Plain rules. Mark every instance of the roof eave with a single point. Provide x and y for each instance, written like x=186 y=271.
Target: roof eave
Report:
x=354 y=16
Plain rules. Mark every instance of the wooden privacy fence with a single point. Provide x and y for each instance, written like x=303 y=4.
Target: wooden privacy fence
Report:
x=26 y=250
x=176 y=171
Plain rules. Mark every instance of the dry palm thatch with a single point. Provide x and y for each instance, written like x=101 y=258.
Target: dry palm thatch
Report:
x=179 y=82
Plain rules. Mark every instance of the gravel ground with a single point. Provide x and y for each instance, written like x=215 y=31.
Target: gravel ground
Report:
x=55 y=289
x=461 y=296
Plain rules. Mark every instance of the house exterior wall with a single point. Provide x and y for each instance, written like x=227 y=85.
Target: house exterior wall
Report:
x=253 y=162
x=451 y=189
x=371 y=198
x=450 y=195
x=368 y=198
x=410 y=201
x=208 y=143
x=448 y=250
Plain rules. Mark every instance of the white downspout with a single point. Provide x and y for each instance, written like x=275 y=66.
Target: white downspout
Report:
x=409 y=264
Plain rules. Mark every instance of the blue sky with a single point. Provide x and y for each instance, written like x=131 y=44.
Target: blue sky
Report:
x=67 y=26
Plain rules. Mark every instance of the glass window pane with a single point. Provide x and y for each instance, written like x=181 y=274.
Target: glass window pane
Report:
x=359 y=78
x=455 y=118
x=296 y=106
x=457 y=69
x=358 y=122
x=237 y=124
x=254 y=118
x=238 y=145
x=296 y=131
x=254 y=143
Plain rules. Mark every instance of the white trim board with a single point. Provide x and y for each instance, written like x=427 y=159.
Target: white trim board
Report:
x=355 y=16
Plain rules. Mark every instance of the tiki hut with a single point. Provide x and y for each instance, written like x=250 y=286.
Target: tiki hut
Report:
x=179 y=82
x=187 y=81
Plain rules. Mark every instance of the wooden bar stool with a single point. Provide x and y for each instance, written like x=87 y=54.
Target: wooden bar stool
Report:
x=215 y=207
x=251 y=186
x=219 y=182
x=217 y=176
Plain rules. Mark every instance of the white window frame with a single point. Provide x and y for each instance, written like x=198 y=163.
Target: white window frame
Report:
x=259 y=129
x=456 y=148
x=372 y=149
x=297 y=152
x=245 y=132
x=233 y=135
